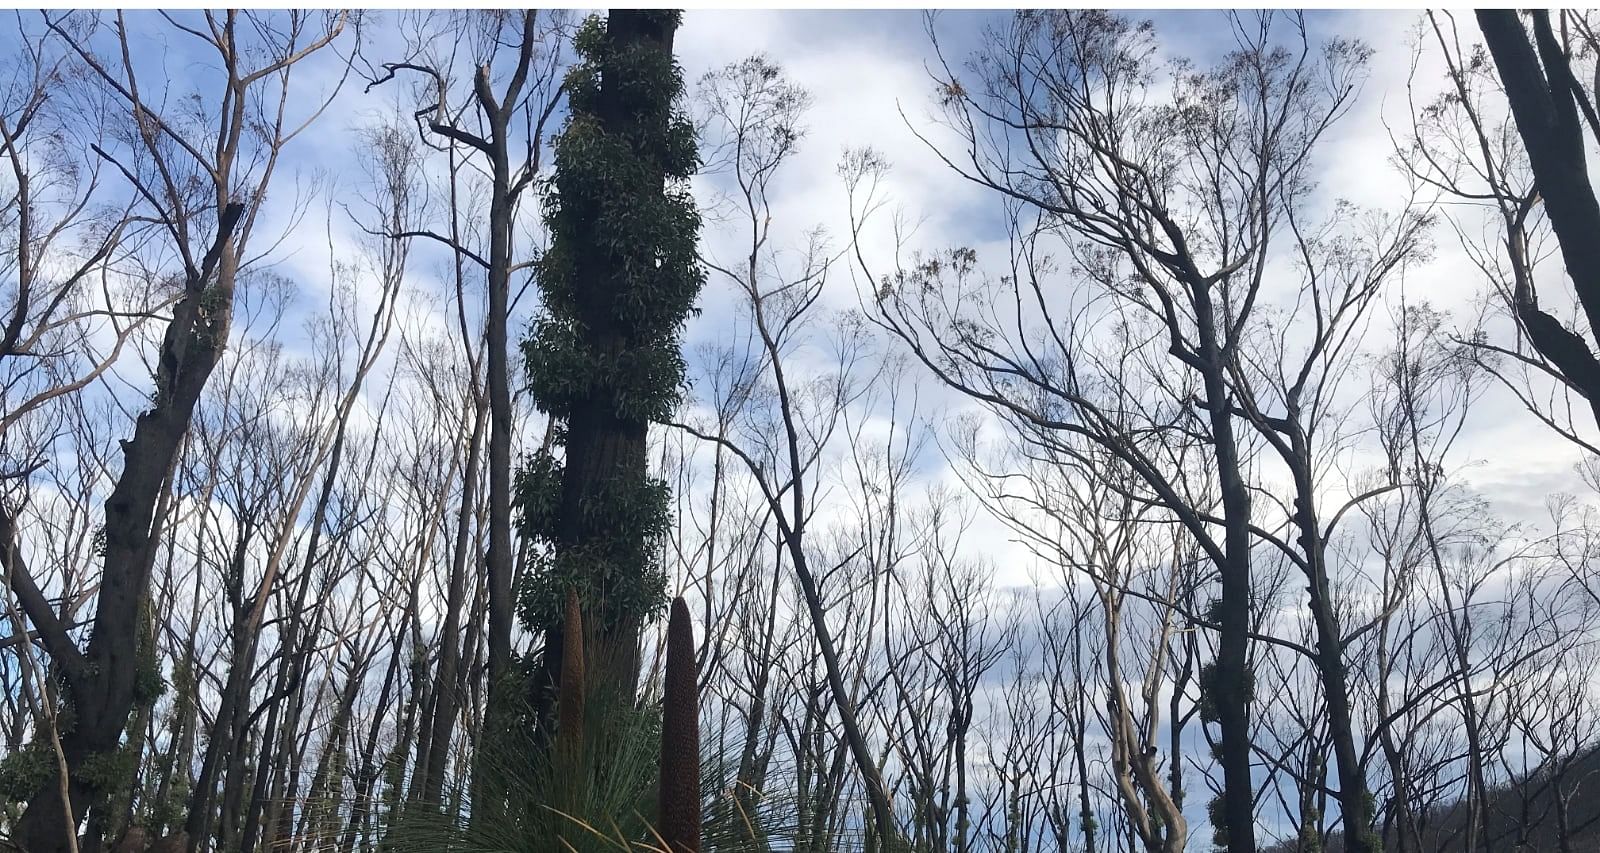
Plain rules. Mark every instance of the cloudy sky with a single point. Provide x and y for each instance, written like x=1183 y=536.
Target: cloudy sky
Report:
x=869 y=77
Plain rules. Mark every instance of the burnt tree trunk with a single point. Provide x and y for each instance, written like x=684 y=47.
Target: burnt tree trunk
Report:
x=1232 y=684
x=446 y=680
x=101 y=680
x=1544 y=102
x=605 y=448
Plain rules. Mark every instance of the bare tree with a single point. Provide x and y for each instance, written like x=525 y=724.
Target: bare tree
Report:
x=1552 y=109
x=165 y=163
x=759 y=112
x=1060 y=117
x=513 y=95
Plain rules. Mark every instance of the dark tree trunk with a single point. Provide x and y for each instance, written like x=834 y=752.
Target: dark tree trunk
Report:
x=101 y=680
x=446 y=679
x=237 y=766
x=1355 y=808
x=225 y=738
x=361 y=804
x=605 y=451
x=502 y=212
x=267 y=772
x=1231 y=683
x=1544 y=102
x=1080 y=728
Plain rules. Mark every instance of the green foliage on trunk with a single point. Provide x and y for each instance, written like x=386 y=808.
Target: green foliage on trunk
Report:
x=619 y=279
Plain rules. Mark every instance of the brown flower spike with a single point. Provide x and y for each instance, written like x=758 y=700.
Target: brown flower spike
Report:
x=570 y=702
x=679 y=822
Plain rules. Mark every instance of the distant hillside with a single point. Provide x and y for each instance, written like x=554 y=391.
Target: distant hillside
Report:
x=1522 y=817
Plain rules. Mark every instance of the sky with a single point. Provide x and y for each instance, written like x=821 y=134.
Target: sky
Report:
x=869 y=75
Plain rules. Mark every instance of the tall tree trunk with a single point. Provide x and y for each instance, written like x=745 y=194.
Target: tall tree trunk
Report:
x=1355 y=808
x=101 y=680
x=1544 y=103
x=446 y=678
x=1232 y=683
x=225 y=735
x=502 y=213
x=362 y=808
x=623 y=316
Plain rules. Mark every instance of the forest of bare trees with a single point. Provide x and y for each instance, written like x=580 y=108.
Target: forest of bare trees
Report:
x=443 y=431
